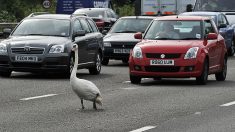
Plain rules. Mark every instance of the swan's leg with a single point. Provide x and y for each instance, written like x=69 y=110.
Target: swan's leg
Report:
x=94 y=105
x=82 y=104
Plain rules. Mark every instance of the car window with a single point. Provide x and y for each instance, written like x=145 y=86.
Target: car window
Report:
x=91 y=13
x=93 y=26
x=208 y=27
x=109 y=14
x=177 y=30
x=126 y=25
x=113 y=14
x=85 y=25
x=47 y=27
x=77 y=26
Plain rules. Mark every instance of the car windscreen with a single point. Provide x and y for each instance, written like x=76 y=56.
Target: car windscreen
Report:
x=174 y=30
x=130 y=25
x=45 y=27
x=215 y=5
x=91 y=13
x=231 y=18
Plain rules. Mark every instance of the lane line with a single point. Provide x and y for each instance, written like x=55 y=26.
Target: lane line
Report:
x=228 y=104
x=37 y=97
x=143 y=129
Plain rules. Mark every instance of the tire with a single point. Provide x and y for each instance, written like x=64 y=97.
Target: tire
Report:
x=232 y=49
x=221 y=76
x=105 y=61
x=70 y=66
x=97 y=68
x=135 y=79
x=125 y=61
x=202 y=79
x=5 y=73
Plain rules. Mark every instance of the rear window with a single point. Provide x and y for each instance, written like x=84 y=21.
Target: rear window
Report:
x=91 y=13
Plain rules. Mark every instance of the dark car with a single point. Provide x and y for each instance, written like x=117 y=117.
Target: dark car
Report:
x=44 y=42
x=120 y=39
x=103 y=17
x=224 y=27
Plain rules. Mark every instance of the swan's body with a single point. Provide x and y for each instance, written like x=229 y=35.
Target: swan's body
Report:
x=83 y=88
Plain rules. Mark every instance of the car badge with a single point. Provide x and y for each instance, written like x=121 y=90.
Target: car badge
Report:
x=163 y=56
x=27 y=49
x=123 y=46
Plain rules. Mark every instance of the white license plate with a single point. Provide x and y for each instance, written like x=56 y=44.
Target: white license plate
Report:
x=26 y=58
x=124 y=51
x=162 y=62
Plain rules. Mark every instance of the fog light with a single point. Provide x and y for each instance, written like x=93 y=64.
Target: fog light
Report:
x=137 y=68
x=189 y=68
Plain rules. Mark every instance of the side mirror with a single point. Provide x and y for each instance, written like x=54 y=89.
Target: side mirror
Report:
x=6 y=32
x=138 y=35
x=222 y=26
x=212 y=36
x=104 y=32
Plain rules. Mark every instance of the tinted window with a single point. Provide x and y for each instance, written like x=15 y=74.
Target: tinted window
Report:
x=130 y=25
x=215 y=5
x=77 y=26
x=94 y=28
x=85 y=25
x=50 y=27
x=208 y=27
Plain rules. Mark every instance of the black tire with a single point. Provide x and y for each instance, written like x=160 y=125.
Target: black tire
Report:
x=70 y=66
x=202 y=79
x=221 y=76
x=97 y=68
x=5 y=73
x=135 y=79
x=232 y=49
x=125 y=61
x=105 y=61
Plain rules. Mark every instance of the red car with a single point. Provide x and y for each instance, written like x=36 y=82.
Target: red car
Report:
x=179 y=47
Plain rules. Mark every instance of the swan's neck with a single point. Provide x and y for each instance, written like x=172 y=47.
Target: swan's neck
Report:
x=75 y=67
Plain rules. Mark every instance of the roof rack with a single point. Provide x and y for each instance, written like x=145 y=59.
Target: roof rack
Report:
x=37 y=13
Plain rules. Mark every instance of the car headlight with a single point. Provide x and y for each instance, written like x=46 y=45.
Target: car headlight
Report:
x=137 y=52
x=57 y=49
x=191 y=53
x=107 y=44
x=3 y=48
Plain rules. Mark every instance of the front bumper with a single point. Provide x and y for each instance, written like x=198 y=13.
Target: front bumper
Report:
x=181 y=69
x=50 y=62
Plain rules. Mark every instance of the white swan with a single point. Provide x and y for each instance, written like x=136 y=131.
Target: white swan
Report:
x=83 y=88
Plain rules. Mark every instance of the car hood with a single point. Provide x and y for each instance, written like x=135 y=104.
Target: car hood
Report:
x=120 y=37
x=16 y=41
x=168 y=46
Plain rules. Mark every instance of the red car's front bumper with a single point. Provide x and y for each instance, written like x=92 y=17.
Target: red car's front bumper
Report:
x=181 y=69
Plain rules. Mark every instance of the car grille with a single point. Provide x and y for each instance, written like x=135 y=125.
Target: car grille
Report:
x=158 y=55
x=23 y=65
x=123 y=44
x=162 y=68
x=31 y=50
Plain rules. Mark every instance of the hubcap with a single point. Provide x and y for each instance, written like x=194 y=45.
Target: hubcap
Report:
x=98 y=62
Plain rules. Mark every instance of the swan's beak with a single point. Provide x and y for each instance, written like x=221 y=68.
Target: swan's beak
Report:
x=98 y=100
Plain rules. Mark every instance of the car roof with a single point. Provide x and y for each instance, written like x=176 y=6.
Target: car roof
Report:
x=138 y=17
x=204 y=13
x=54 y=16
x=179 y=17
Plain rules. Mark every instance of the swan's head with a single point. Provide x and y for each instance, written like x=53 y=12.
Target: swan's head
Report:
x=98 y=100
x=75 y=47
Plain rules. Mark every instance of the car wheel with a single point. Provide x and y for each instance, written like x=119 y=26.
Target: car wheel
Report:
x=202 y=79
x=135 y=79
x=125 y=61
x=97 y=68
x=5 y=73
x=231 y=50
x=105 y=61
x=221 y=76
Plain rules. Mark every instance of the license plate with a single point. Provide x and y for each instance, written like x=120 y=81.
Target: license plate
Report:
x=162 y=62
x=124 y=51
x=26 y=58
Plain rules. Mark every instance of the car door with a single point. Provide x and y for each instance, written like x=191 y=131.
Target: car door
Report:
x=80 y=41
x=214 y=46
x=91 y=41
x=226 y=32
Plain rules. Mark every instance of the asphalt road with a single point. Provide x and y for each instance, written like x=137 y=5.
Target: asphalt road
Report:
x=46 y=103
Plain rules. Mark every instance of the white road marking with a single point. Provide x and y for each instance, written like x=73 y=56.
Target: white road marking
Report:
x=130 y=88
x=198 y=113
x=37 y=97
x=143 y=129
x=126 y=82
x=228 y=104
